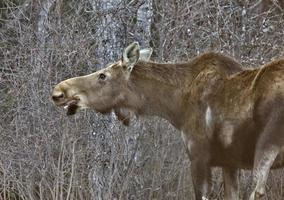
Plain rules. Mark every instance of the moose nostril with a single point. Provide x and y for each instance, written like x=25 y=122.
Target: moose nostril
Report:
x=57 y=97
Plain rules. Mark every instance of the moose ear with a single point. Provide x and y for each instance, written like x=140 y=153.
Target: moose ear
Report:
x=145 y=54
x=131 y=55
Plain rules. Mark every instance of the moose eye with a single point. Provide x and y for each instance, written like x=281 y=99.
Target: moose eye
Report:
x=102 y=76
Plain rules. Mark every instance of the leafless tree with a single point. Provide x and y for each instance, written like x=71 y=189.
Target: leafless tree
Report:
x=47 y=155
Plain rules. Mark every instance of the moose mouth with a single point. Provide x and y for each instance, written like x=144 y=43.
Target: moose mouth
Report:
x=71 y=106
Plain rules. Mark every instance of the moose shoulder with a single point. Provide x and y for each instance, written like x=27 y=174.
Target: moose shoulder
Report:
x=228 y=117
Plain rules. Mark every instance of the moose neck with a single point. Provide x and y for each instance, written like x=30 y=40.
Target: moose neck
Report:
x=159 y=90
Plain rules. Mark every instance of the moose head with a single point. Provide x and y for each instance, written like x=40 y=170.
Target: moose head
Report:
x=105 y=90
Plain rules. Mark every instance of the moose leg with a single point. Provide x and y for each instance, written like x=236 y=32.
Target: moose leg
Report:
x=230 y=184
x=266 y=151
x=201 y=178
x=198 y=153
x=267 y=148
x=263 y=162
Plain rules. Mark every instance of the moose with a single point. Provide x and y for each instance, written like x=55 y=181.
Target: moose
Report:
x=228 y=117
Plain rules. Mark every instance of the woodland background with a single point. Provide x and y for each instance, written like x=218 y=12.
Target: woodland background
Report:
x=46 y=155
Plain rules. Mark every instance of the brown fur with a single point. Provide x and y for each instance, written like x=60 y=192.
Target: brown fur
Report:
x=228 y=119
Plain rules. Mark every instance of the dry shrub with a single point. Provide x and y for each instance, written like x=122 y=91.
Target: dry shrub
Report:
x=46 y=155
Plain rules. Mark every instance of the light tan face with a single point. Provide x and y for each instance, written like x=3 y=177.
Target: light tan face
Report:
x=104 y=90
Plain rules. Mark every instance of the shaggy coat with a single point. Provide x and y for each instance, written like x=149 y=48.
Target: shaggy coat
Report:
x=228 y=117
